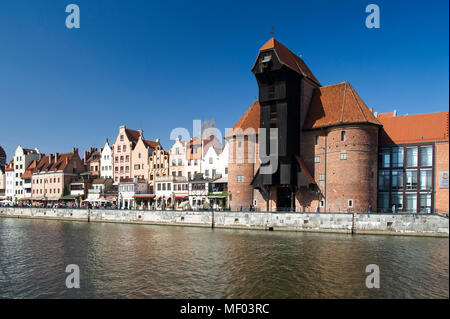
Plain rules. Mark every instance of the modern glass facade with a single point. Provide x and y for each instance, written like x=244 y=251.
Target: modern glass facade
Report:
x=405 y=178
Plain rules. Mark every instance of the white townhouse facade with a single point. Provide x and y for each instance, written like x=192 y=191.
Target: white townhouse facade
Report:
x=128 y=189
x=9 y=181
x=178 y=159
x=214 y=164
x=22 y=159
x=106 y=161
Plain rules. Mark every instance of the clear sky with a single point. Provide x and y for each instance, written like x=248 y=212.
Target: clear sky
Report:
x=157 y=65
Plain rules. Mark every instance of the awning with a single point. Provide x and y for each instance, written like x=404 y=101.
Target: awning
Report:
x=67 y=197
x=181 y=197
x=144 y=196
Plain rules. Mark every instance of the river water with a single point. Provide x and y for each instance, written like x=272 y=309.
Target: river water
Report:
x=143 y=261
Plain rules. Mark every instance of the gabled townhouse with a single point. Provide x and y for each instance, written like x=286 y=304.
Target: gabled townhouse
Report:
x=52 y=175
x=10 y=181
x=22 y=159
x=178 y=158
x=2 y=182
x=140 y=157
x=91 y=161
x=26 y=178
x=159 y=166
x=106 y=161
x=215 y=164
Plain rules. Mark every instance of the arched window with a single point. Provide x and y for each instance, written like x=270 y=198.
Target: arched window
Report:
x=343 y=136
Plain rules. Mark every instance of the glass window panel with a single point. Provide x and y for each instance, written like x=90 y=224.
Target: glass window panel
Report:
x=425 y=179
x=426 y=156
x=384 y=158
x=383 y=180
x=397 y=180
x=411 y=203
x=383 y=202
x=397 y=157
x=397 y=200
x=411 y=179
x=411 y=156
x=425 y=203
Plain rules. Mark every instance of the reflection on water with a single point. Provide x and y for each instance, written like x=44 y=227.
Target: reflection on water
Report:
x=137 y=261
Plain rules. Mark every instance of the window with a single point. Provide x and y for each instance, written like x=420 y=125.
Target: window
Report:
x=411 y=157
x=317 y=140
x=316 y=159
x=411 y=179
x=159 y=186
x=240 y=178
x=384 y=157
x=177 y=151
x=118 y=148
x=343 y=136
x=169 y=186
x=397 y=157
x=383 y=202
x=211 y=160
x=121 y=138
x=179 y=173
x=397 y=200
x=426 y=156
x=117 y=159
x=239 y=144
x=411 y=202
x=343 y=156
x=321 y=177
x=425 y=203
x=180 y=162
x=350 y=203
x=213 y=172
x=207 y=173
x=226 y=170
x=322 y=203
x=137 y=166
x=127 y=158
x=425 y=179
x=397 y=179
x=163 y=186
x=139 y=155
x=383 y=180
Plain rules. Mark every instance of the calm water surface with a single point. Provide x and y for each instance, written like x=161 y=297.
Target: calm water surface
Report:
x=137 y=261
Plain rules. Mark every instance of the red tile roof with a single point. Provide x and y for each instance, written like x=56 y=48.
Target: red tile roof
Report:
x=10 y=166
x=29 y=169
x=250 y=119
x=48 y=163
x=431 y=127
x=337 y=104
x=289 y=59
x=133 y=135
x=151 y=144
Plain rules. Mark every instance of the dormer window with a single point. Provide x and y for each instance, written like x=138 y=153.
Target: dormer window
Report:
x=266 y=59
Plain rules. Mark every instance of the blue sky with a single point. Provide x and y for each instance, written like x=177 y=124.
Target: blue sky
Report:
x=159 y=65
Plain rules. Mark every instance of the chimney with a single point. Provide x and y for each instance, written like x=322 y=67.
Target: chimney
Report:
x=157 y=140
x=371 y=109
x=50 y=156
x=141 y=132
x=56 y=157
x=375 y=114
x=395 y=113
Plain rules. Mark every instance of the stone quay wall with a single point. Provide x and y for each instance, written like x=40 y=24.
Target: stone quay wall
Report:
x=387 y=224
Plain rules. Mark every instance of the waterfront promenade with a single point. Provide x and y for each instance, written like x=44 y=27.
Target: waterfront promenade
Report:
x=385 y=224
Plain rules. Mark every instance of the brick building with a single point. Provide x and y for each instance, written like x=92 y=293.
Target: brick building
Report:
x=323 y=142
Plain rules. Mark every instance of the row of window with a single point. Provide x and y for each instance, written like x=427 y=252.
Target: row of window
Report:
x=405 y=203
x=127 y=158
x=412 y=178
x=342 y=156
x=343 y=137
x=50 y=190
x=399 y=157
x=180 y=162
x=47 y=180
x=107 y=168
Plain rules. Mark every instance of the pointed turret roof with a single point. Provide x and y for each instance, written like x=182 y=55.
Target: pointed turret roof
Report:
x=289 y=59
